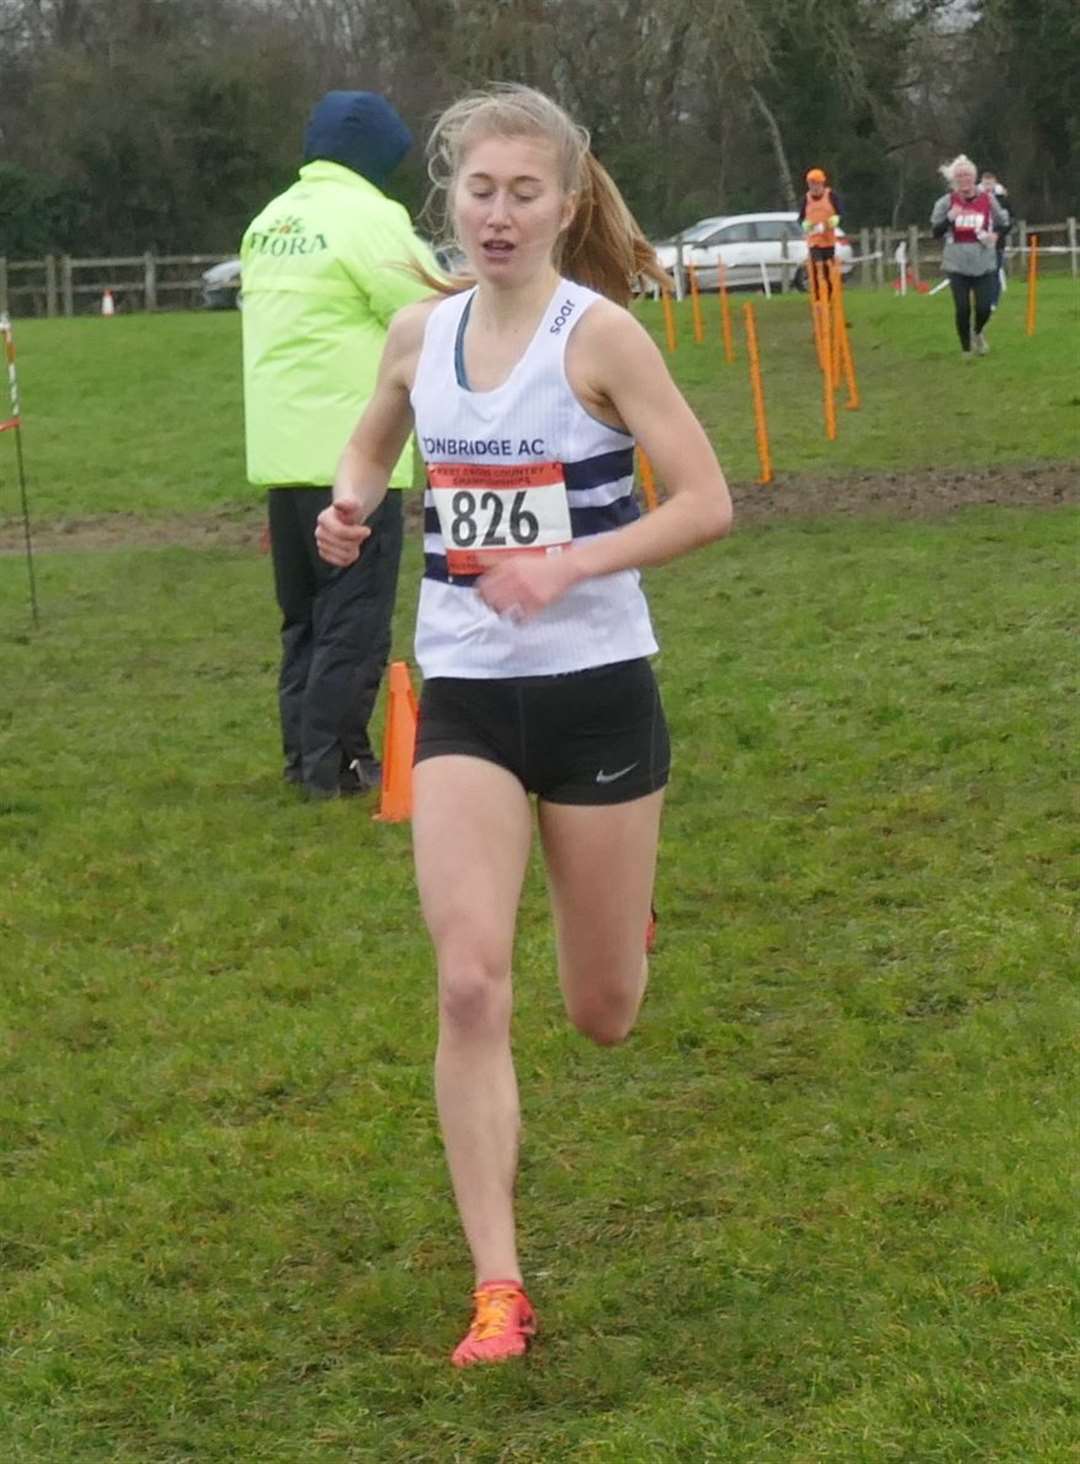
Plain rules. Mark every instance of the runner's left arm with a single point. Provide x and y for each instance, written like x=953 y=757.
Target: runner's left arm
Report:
x=1000 y=217
x=618 y=373
x=625 y=369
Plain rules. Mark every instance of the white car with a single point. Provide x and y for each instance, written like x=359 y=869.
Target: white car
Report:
x=743 y=243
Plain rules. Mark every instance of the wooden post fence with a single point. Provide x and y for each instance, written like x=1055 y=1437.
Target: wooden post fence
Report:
x=50 y=286
x=1033 y=283
x=66 y=285
x=785 y=267
x=913 y=253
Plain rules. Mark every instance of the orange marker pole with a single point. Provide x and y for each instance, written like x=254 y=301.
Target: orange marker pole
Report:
x=761 y=428
x=846 y=360
x=725 y=316
x=648 y=481
x=815 y=316
x=695 y=305
x=1033 y=281
x=828 y=397
x=836 y=322
x=669 y=323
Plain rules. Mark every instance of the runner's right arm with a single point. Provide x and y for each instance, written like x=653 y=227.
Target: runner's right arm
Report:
x=376 y=443
x=939 y=217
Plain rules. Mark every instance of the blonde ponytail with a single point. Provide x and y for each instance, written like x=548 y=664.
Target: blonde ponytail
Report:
x=604 y=248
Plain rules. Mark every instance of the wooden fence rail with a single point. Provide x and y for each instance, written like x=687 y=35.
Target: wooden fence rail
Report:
x=62 y=285
x=58 y=284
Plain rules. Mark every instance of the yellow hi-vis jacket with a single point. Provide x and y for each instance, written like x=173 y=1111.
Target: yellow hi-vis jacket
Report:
x=319 y=289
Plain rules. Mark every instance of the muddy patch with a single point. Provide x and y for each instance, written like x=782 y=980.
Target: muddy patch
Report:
x=922 y=494
x=913 y=494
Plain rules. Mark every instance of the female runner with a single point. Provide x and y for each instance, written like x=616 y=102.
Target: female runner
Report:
x=970 y=221
x=528 y=389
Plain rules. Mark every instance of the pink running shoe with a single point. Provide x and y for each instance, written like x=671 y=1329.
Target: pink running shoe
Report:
x=503 y=1325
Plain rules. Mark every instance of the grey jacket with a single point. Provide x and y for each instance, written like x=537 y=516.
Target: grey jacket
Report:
x=968 y=259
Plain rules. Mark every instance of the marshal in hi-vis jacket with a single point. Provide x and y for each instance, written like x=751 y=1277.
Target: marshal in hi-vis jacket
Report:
x=321 y=281
x=820 y=211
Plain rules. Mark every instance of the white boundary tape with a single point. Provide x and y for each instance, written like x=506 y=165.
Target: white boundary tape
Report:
x=1015 y=252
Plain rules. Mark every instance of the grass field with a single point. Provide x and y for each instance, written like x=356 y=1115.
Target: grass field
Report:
x=822 y=1206
x=141 y=414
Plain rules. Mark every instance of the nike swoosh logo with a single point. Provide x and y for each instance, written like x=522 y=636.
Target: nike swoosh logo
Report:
x=603 y=777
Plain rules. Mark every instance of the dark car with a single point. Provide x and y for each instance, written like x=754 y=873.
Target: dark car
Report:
x=222 y=283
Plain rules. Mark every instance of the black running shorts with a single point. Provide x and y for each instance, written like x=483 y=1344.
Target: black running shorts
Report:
x=588 y=737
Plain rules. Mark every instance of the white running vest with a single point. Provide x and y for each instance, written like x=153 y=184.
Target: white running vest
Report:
x=522 y=469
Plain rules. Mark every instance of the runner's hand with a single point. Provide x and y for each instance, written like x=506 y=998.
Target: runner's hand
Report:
x=339 y=535
x=525 y=584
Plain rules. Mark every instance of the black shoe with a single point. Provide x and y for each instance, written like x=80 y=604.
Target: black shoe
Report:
x=292 y=774
x=360 y=777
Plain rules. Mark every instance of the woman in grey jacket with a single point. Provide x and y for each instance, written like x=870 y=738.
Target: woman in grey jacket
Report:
x=969 y=221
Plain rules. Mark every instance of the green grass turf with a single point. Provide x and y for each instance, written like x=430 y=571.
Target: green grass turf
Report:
x=922 y=405
x=142 y=414
x=821 y=1207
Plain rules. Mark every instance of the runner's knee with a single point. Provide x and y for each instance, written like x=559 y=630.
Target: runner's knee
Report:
x=604 y=1012
x=474 y=989
x=605 y=1023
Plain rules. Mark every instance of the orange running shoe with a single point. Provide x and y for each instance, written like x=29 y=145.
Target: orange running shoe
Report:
x=503 y=1325
x=650 y=931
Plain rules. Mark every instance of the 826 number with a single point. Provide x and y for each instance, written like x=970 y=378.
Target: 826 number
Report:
x=466 y=508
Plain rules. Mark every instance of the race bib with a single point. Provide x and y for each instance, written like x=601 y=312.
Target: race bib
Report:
x=491 y=509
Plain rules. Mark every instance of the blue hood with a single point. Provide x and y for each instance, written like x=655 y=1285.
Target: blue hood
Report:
x=361 y=131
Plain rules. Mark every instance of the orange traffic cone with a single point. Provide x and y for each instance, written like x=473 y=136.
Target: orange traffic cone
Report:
x=108 y=304
x=395 y=803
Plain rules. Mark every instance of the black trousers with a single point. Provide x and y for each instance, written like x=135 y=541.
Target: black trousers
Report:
x=821 y=258
x=998 y=276
x=335 y=634
x=963 y=287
